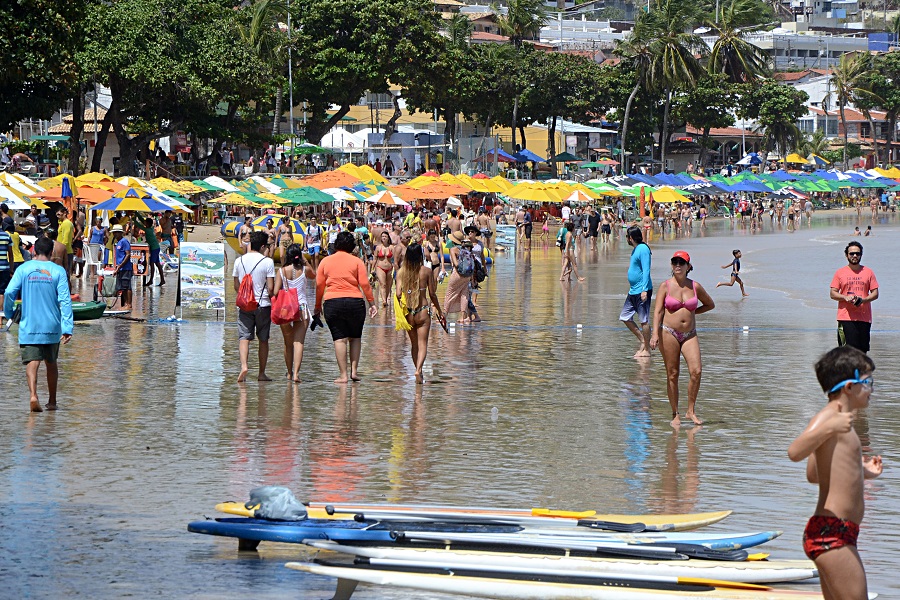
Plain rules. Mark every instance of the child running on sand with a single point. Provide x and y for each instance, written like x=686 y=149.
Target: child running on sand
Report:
x=837 y=465
x=735 y=272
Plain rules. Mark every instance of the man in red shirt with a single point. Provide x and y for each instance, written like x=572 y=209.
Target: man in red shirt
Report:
x=854 y=287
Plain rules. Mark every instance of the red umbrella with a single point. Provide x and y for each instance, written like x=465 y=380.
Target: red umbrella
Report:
x=480 y=176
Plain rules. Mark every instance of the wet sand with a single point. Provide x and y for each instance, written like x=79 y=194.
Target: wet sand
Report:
x=153 y=431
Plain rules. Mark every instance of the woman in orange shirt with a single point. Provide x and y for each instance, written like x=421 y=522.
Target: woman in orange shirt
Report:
x=342 y=288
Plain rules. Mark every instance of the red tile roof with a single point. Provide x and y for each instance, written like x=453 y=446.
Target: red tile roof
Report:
x=724 y=132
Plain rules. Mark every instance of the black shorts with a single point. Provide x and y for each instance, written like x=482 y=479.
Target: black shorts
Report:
x=5 y=277
x=854 y=333
x=592 y=233
x=605 y=228
x=123 y=280
x=528 y=228
x=345 y=317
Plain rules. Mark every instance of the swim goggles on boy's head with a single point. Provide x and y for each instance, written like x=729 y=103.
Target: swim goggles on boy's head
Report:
x=868 y=382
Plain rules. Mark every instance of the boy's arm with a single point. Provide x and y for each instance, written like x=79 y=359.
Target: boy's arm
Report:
x=829 y=421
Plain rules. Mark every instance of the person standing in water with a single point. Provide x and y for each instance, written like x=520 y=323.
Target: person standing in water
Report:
x=735 y=272
x=855 y=288
x=639 y=292
x=678 y=301
x=417 y=293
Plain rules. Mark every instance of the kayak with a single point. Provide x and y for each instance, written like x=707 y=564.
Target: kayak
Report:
x=543 y=587
x=763 y=571
x=88 y=311
x=536 y=517
x=261 y=530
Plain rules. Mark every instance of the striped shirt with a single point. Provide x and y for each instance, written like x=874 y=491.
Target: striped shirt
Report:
x=5 y=248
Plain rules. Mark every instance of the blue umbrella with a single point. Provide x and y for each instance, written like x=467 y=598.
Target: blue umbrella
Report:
x=525 y=155
x=66 y=189
x=131 y=200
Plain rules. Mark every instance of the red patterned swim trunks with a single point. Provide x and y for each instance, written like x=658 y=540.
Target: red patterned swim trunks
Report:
x=825 y=533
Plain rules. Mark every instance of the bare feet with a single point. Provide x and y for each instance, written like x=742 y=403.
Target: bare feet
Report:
x=642 y=353
x=127 y=307
x=355 y=377
x=296 y=378
x=36 y=406
x=719 y=284
x=693 y=417
x=676 y=422
x=263 y=377
x=51 y=406
x=341 y=380
x=420 y=379
x=745 y=295
x=242 y=376
x=581 y=279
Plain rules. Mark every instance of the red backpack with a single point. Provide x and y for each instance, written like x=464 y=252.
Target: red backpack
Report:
x=246 y=297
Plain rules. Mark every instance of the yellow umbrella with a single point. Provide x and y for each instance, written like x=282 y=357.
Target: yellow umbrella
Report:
x=503 y=182
x=164 y=184
x=668 y=195
x=579 y=196
x=451 y=178
x=587 y=191
x=535 y=193
x=19 y=182
x=234 y=199
x=132 y=182
x=421 y=181
x=795 y=159
x=93 y=178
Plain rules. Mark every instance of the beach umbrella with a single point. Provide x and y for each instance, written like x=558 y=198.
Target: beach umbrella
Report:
x=331 y=179
x=565 y=157
x=133 y=182
x=86 y=194
x=667 y=195
x=387 y=198
x=307 y=148
x=817 y=160
x=795 y=159
x=218 y=182
x=15 y=201
x=303 y=196
x=480 y=176
x=454 y=202
x=579 y=196
x=498 y=153
x=591 y=165
x=131 y=199
x=751 y=158
x=535 y=193
x=525 y=154
x=93 y=178
x=295 y=225
x=236 y=199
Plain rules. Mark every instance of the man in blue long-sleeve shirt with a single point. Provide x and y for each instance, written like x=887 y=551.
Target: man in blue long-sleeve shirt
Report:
x=46 y=317
x=639 y=292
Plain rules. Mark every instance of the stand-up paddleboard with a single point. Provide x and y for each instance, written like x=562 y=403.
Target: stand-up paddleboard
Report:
x=699 y=545
x=550 y=589
x=537 y=517
x=745 y=572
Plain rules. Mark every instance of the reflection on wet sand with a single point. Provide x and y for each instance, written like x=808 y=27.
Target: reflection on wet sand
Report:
x=679 y=486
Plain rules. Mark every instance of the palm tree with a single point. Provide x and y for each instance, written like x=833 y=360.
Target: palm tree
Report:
x=459 y=31
x=732 y=55
x=635 y=55
x=675 y=55
x=523 y=20
x=814 y=144
x=848 y=83
x=264 y=35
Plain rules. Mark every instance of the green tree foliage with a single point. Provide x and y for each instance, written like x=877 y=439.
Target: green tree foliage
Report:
x=732 y=55
x=345 y=48
x=169 y=65
x=883 y=80
x=706 y=105
x=776 y=108
x=561 y=85
x=849 y=83
x=38 y=57
x=270 y=44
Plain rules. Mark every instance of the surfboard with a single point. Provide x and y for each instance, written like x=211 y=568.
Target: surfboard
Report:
x=767 y=571
x=550 y=588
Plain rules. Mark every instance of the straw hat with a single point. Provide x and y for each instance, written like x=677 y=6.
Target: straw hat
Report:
x=457 y=236
x=117 y=228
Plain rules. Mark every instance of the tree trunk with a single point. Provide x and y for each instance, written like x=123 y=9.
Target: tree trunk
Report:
x=551 y=143
x=889 y=149
x=102 y=136
x=76 y=131
x=515 y=118
x=874 y=135
x=846 y=137
x=276 y=122
x=390 y=126
x=622 y=158
x=704 y=140
x=664 y=139
x=317 y=128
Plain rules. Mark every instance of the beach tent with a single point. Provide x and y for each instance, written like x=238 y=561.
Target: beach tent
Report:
x=525 y=154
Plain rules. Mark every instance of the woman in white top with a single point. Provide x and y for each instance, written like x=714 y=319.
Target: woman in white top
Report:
x=296 y=276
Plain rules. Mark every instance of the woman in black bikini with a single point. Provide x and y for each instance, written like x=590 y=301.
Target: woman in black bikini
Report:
x=678 y=301
x=435 y=255
x=416 y=291
x=384 y=266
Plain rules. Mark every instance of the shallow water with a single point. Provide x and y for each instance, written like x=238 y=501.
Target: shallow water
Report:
x=154 y=432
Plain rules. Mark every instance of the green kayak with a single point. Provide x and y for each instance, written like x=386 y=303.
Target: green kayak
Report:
x=88 y=311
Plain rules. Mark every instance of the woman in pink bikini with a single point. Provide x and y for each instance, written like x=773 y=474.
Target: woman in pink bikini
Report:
x=678 y=302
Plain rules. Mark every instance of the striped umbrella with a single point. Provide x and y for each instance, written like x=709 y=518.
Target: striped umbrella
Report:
x=131 y=199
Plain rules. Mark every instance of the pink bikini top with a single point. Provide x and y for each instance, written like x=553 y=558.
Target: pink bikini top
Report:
x=691 y=303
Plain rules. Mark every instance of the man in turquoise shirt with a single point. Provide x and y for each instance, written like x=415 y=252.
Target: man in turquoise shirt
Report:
x=153 y=244
x=639 y=291
x=46 y=317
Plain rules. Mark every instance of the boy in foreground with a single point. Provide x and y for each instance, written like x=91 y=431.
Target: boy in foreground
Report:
x=837 y=465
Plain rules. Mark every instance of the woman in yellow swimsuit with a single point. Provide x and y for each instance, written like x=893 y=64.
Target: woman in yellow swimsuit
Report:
x=416 y=288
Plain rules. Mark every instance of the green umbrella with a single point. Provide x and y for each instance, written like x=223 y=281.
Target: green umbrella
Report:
x=183 y=199
x=303 y=196
x=565 y=157
x=309 y=149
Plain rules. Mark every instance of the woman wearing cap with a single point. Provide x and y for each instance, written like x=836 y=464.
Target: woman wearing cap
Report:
x=342 y=288
x=678 y=302
x=457 y=296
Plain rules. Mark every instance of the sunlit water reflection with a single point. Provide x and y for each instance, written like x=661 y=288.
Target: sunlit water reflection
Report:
x=154 y=431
